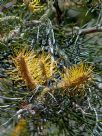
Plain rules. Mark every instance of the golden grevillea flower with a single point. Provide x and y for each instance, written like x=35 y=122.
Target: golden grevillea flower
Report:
x=19 y=128
x=75 y=79
x=23 y=69
x=33 y=69
x=46 y=67
x=34 y=5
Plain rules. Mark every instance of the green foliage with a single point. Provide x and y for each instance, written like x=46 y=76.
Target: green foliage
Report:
x=49 y=110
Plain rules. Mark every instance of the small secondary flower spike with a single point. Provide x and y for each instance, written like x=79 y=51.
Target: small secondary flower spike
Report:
x=46 y=67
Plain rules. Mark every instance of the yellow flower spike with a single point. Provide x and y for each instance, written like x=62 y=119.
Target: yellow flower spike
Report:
x=19 y=128
x=31 y=7
x=46 y=66
x=43 y=70
x=33 y=69
x=34 y=5
x=75 y=79
x=24 y=71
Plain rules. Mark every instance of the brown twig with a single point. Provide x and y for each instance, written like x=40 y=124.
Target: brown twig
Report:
x=91 y=30
x=86 y=30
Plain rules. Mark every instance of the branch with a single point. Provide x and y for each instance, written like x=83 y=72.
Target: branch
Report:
x=86 y=30
x=90 y=30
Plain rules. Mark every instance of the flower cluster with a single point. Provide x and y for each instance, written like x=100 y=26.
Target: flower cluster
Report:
x=33 y=69
x=76 y=78
x=33 y=5
x=36 y=69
